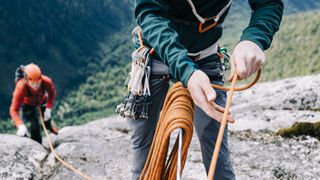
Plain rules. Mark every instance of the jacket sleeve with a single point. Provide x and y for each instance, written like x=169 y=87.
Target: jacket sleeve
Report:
x=17 y=100
x=164 y=39
x=264 y=23
x=51 y=92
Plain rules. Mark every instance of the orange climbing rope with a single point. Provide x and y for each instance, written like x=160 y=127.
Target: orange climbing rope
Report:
x=54 y=152
x=177 y=112
x=223 y=126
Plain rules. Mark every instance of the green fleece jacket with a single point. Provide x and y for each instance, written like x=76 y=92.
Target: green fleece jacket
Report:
x=162 y=28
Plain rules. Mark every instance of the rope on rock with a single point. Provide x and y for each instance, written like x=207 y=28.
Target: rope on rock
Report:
x=54 y=152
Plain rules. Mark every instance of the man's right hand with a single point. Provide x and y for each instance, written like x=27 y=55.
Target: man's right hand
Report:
x=22 y=130
x=203 y=95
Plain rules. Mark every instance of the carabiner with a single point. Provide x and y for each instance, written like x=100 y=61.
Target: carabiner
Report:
x=202 y=30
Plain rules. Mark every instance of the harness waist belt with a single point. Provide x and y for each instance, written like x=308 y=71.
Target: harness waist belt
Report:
x=213 y=49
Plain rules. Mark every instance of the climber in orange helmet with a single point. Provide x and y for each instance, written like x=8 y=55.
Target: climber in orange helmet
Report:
x=32 y=89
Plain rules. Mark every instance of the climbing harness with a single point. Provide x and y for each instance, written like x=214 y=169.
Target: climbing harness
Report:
x=213 y=19
x=54 y=152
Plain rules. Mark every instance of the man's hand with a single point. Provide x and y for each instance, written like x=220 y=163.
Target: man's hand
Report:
x=47 y=114
x=246 y=59
x=203 y=94
x=22 y=130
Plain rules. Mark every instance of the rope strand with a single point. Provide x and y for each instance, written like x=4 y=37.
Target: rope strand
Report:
x=54 y=152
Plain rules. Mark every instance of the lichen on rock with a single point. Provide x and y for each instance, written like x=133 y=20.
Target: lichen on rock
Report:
x=301 y=128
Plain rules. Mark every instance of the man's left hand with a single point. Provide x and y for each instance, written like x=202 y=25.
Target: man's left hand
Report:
x=47 y=114
x=246 y=59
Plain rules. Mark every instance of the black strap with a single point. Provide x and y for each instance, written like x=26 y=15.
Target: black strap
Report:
x=167 y=77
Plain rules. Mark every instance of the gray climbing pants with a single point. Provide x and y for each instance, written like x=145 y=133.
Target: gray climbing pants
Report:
x=142 y=130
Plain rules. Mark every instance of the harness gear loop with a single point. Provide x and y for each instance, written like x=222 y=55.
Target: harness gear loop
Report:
x=135 y=105
x=54 y=152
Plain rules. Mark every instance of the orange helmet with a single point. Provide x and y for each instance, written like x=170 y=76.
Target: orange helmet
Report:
x=32 y=72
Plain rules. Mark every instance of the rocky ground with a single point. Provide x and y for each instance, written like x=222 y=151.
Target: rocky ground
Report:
x=101 y=148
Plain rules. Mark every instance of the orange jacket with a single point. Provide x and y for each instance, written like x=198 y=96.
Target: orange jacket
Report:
x=24 y=94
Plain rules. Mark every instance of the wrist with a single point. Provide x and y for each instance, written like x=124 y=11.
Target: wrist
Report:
x=21 y=126
x=252 y=42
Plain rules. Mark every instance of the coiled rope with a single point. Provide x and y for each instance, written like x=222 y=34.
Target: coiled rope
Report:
x=177 y=112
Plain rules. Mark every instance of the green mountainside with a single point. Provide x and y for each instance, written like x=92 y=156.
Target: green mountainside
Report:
x=63 y=37
x=296 y=49
x=85 y=46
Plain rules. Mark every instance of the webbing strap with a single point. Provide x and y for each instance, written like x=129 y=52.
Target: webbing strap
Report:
x=215 y=18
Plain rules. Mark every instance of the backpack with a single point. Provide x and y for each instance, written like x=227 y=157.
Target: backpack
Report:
x=19 y=73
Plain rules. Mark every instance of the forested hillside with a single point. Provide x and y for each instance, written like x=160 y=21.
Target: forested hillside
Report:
x=85 y=46
x=63 y=37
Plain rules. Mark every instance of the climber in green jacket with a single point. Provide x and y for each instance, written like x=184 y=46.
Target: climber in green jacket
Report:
x=185 y=35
